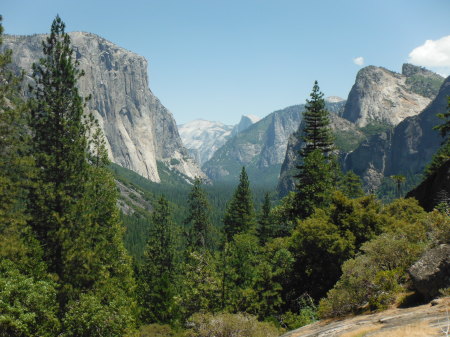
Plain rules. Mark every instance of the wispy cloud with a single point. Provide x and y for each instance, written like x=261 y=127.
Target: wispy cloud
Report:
x=359 y=61
x=433 y=53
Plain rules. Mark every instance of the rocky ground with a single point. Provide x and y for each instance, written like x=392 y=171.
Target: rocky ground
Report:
x=431 y=319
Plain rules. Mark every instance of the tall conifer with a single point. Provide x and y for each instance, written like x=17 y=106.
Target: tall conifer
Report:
x=73 y=199
x=200 y=236
x=318 y=171
x=157 y=278
x=317 y=133
x=240 y=214
x=59 y=146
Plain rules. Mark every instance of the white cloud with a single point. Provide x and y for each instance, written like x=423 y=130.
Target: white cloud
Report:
x=433 y=53
x=359 y=61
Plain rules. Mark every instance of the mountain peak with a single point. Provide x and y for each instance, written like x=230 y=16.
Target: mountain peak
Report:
x=245 y=122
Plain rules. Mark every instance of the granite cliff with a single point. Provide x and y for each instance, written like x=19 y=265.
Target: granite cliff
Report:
x=139 y=130
x=406 y=149
x=383 y=96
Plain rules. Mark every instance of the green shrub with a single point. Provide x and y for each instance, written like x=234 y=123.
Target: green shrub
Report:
x=28 y=307
x=158 y=330
x=373 y=279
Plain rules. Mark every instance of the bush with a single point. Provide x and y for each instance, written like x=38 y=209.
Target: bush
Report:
x=92 y=316
x=158 y=330
x=28 y=307
x=374 y=278
x=229 y=325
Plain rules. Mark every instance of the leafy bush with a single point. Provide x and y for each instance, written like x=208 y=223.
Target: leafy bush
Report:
x=28 y=307
x=158 y=330
x=307 y=314
x=229 y=325
x=93 y=316
x=373 y=278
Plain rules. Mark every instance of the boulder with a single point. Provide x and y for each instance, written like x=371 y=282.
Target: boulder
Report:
x=432 y=272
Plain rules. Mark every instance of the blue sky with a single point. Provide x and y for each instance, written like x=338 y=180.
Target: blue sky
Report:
x=217 y=60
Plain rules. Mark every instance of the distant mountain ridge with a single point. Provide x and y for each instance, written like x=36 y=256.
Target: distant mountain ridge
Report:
x=139 y=130
x=202 y=138
x=261 y=148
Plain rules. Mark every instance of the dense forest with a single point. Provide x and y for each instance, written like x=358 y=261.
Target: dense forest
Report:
x=201 y=259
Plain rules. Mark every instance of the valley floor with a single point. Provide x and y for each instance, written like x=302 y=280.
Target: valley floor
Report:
x=431 y=319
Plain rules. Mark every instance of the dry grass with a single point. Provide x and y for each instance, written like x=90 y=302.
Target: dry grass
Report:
x=413 y=330
x=362 y=331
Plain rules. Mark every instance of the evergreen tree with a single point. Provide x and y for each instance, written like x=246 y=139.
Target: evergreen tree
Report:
x=399 y=180
x=265 y=227
x=199 y=218
x=317 y=133
x=318 y=173
x=59 y=148
x=158 y=275
x=351 y=185
x=315 y=185
x=73 y=198
x=240 y=214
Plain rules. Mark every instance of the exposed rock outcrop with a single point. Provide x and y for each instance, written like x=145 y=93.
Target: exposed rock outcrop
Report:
x=139 y=130
x=382 y=96
x=423 y=320
x=432 y=272
x=407 y=149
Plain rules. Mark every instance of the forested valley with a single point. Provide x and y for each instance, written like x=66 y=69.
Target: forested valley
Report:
x=198 y=259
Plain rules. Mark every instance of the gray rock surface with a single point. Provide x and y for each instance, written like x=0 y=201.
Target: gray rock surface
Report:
x=139 y=130
x=432 y=272
x=407 y=149
x=423 y=320
x=380 y=95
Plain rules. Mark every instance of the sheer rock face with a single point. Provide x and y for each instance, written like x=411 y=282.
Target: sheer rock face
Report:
x=139 y=130
x=383 y=96
x=407 y=149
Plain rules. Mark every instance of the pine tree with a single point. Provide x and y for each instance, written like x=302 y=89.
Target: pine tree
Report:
x=318 y=173
x=317 y=133
x=240 y=214
x=73 y=199
x=399 y=180
x=159 y=271
x=351 y=185
x=199 y=220
x=265 y=227
x=59 y=147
